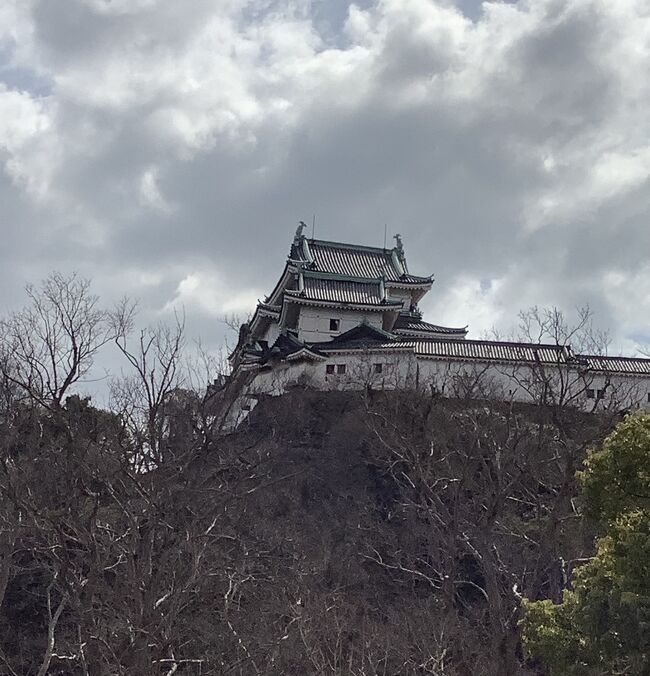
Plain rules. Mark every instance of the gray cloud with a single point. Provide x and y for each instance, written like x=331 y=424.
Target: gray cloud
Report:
x=175 y=146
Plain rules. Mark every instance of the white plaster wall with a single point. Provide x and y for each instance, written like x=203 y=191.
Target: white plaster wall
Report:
x=402 y=370
x=314 y=323
x=272 y=332
x=398 y=371
x=403 y=295
x=564 y=385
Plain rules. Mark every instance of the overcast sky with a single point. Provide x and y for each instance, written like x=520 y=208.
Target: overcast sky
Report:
x=167 y=149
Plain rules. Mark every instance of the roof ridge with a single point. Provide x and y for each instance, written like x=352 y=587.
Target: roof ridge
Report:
x=346 y=245
x=509 y=343
x=609 y=356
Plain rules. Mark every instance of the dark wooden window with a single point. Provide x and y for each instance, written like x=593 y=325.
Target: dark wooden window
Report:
x=600 y=394
x=591 y=394
x=329 y=368
x=340 y=369
x=379 y=368
x=335 y=324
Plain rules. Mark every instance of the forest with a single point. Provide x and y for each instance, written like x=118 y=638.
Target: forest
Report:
x=359 y=533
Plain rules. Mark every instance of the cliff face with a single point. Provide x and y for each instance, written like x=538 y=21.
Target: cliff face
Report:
x=333 y=533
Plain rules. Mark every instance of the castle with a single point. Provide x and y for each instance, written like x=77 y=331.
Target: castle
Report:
x=345 y=316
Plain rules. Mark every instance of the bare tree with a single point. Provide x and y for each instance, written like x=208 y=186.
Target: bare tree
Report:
x=486 y=485
x=50 y=345
x=551 y=325
x=155 y=357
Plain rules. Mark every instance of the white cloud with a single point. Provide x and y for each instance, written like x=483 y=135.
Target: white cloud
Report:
x=150 y=192
x=208 y=293
x=470 y=302
x=185 y=139
x=21 y=119
x=27 y=145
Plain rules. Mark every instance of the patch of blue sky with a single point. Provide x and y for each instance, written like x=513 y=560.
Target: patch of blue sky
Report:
x=25 y=80
x=21 y=78
x=328 y=17
x=473 y=9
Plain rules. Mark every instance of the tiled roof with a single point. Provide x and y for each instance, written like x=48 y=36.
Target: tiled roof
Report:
x=286 y=346
x=406 y=323
x=361 y=336
x=355 y=261
x=631 y=365
x=518 y=353
x=339 y=291
x=492 y=350
x=265 y=307
x=413 y=279
x=485 y=350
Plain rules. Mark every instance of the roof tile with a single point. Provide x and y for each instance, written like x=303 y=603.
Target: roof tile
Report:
x=332 y=290
x=407 y=323
x=356 y=261
x=632 y=365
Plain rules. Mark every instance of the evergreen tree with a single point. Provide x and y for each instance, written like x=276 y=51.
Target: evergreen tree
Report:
x=602 y=625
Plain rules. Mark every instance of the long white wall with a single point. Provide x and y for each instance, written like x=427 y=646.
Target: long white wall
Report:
x=403 y=370
x=561 y=385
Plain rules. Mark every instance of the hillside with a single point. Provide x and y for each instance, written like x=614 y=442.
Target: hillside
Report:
x=334 y=533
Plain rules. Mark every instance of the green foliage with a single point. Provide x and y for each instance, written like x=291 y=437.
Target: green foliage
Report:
x=617 y=477
x=602 y=625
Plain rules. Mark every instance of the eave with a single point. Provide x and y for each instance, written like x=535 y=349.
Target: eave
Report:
x=275 y=296
x=396 y=347
x=305 y=353
x=384 y=307
x=269 y=310
x=433 y=335
x=424 y=284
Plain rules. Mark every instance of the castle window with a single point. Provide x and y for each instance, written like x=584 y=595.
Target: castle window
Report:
x=335 y=324
x=600 y=394
x=329 y=369
x=591 y=394
x=649 y=397
x=379 y=368
x=340 y=369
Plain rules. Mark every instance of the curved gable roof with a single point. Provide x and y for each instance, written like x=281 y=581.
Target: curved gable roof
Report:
x=354 y=261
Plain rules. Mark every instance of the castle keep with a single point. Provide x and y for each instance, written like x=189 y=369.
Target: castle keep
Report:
x=344 y=316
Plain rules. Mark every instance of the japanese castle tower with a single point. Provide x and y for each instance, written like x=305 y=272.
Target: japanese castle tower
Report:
x=344 y=316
